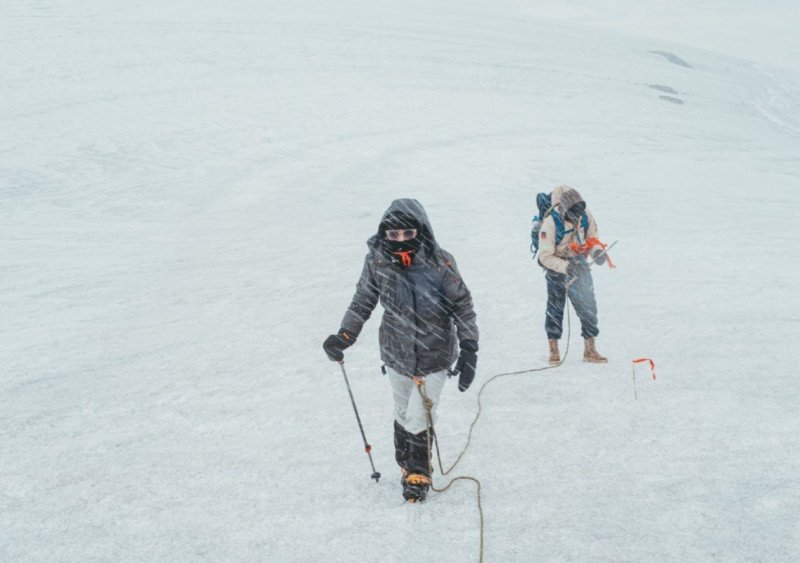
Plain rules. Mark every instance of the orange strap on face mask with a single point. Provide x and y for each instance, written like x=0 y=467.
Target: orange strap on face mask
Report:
x=405 y=257
x=588 y=245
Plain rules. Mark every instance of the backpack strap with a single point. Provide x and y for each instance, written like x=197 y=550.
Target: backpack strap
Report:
x=561 y=229
x=584 y=225
x=559 y=226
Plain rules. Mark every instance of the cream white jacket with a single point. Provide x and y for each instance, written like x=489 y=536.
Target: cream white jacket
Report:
x=556 y=257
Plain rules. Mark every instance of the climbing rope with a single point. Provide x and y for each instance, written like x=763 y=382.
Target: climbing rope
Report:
x=586 y=248
x=432 y=437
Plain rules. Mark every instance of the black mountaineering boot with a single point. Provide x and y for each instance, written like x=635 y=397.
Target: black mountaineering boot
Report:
x=400 y=444
x=418 y=479
x=401 y=450
x=416 y=487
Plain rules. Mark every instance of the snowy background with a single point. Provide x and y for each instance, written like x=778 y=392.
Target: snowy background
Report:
x=185 y=193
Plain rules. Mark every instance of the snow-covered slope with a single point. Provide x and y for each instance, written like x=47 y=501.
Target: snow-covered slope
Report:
x=185 y=193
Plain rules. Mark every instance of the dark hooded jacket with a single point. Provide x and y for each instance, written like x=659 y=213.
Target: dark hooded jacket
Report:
x=427 y=306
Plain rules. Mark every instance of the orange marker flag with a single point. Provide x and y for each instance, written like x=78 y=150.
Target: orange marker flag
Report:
x=652 y=365
x=633 y=369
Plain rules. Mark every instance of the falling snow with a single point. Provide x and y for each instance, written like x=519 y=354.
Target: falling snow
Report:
x=186 y=190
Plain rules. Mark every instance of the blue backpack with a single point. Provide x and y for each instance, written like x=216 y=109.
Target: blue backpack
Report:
x=546 y=208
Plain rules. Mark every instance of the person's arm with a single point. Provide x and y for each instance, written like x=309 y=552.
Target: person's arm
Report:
x=591 y=231
x=459 y=302
x=547 y=248
x=597 y=254
x=357 y=313
x=364 y=300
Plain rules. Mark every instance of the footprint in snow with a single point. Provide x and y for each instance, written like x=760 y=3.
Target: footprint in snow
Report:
x=674 y=59
x=662 y=88
x=672 y=99
x=667 y=90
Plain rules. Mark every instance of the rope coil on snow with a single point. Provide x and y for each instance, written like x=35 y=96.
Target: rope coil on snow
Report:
x=428 y=404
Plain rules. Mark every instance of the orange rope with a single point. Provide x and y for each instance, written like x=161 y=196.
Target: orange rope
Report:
x=587 y=246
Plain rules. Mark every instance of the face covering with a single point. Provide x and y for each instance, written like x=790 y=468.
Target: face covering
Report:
x=575 y=212
x=402 y=252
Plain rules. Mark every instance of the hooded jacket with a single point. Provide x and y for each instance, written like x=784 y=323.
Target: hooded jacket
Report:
x=556 y=257
x=427 y=307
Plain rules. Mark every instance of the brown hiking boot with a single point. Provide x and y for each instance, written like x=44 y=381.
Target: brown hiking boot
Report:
x=590 y=353
x=555 y=356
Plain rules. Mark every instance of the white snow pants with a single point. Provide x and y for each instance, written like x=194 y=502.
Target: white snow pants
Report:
x=409 y=411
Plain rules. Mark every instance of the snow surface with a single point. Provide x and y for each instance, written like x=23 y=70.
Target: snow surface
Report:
x=185 y=193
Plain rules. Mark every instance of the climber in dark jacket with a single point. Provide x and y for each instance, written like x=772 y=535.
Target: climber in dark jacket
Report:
x=428 y=317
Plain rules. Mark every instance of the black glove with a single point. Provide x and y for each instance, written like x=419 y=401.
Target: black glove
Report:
x=599 y=256
x=335 y=343
x=465 y=366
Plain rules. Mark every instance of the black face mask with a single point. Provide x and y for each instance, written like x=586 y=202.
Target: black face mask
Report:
x=575 y=212
x=393 y=246
x=400 y=252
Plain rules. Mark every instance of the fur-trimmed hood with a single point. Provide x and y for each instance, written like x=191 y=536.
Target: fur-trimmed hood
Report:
x=565 y=197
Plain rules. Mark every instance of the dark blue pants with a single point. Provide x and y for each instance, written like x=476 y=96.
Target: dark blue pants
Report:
x=581 y=294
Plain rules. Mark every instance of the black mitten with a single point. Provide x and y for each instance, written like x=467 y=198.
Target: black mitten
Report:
x=599 y=256
x=465 y=366
x=335 y=343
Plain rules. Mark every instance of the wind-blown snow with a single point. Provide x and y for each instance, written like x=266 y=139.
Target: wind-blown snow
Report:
x=186 y=189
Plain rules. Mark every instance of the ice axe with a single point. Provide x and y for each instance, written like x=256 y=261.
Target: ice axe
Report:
x=592 y=262
x=367 y=448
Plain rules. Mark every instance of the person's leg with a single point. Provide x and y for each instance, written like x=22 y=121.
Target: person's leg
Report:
x=418 y=459
x=556 y=299
x=402 y=387
x=554 y=315
x=416 y=415
x=581 y=294
x=400 y=444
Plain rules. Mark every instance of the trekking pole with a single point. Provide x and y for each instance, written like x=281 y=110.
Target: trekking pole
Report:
x=367 y=448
